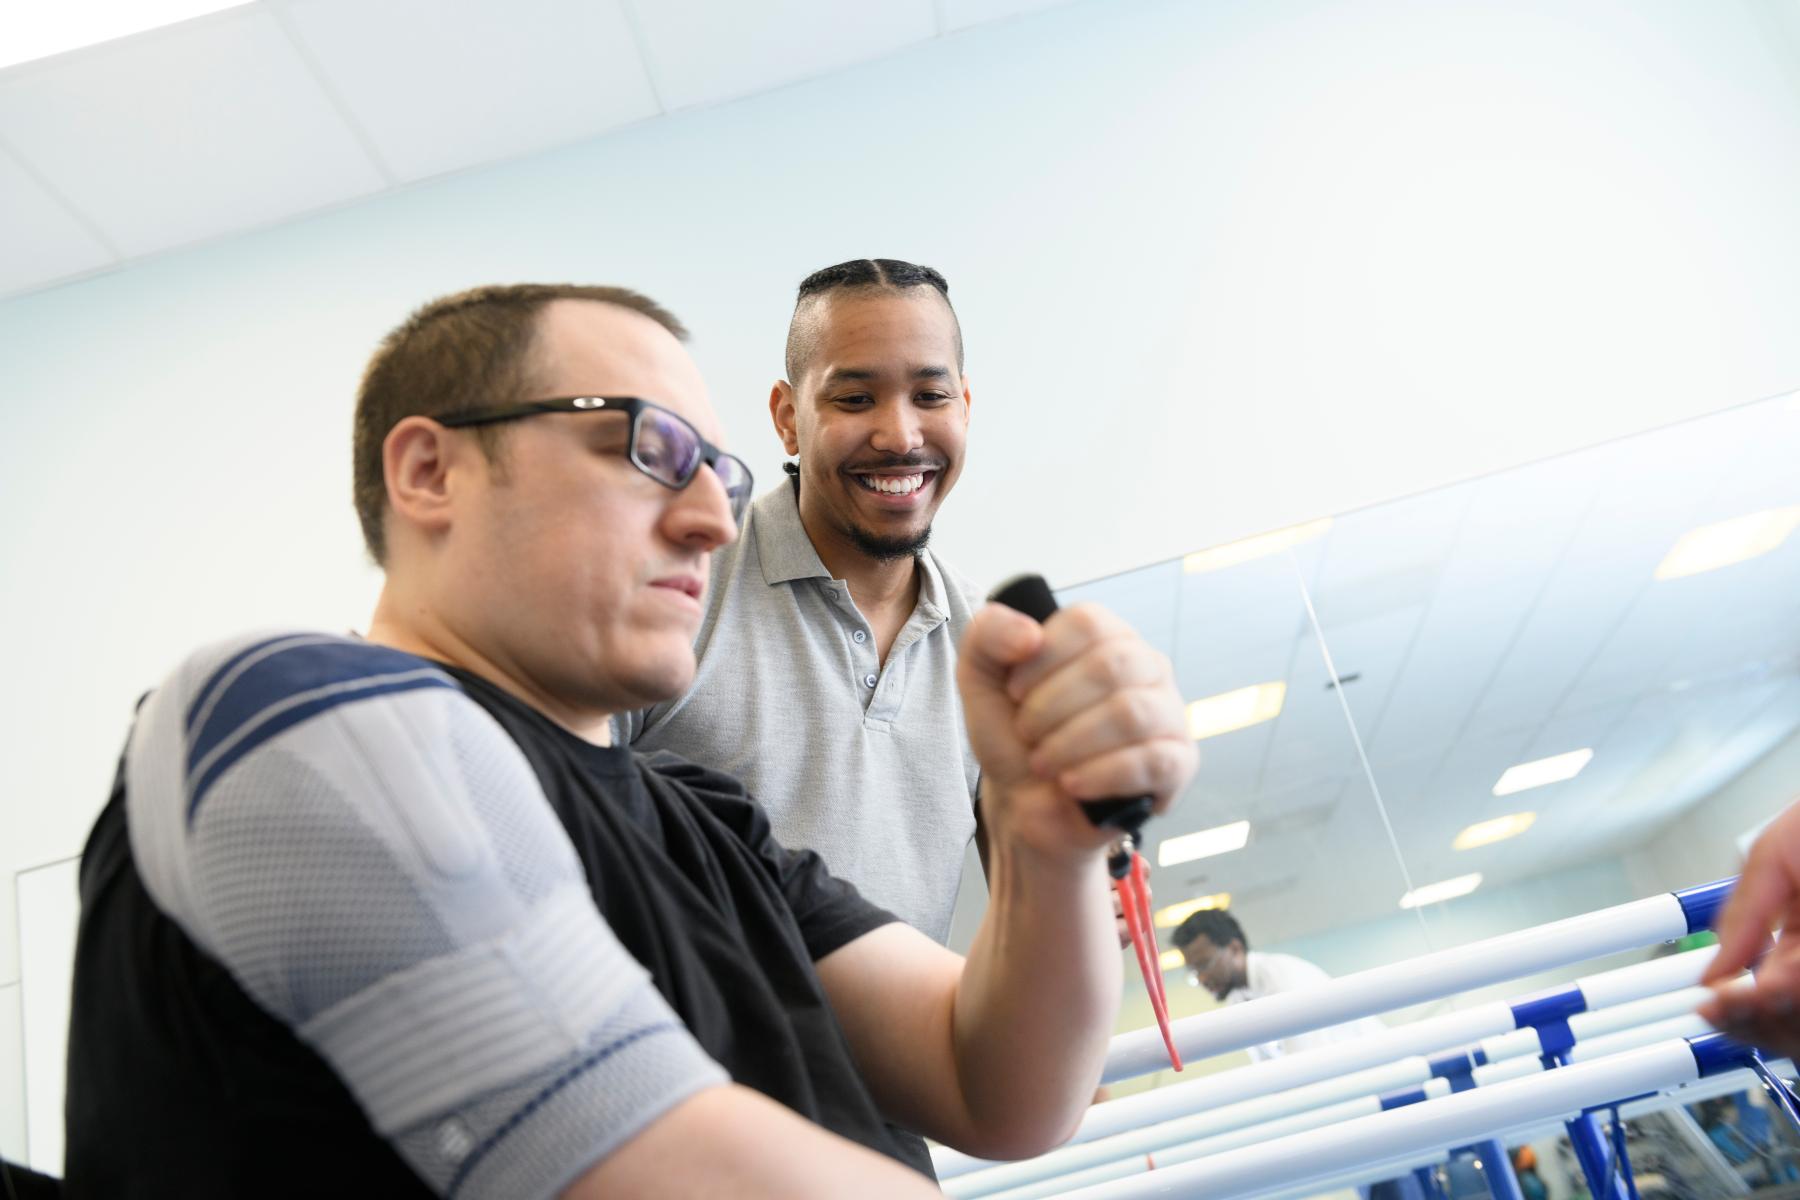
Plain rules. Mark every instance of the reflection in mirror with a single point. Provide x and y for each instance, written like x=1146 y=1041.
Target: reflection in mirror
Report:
x=1519 y=699
x=1577 y=682
x=1271 y=828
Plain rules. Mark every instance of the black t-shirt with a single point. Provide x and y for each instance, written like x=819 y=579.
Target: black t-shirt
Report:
x=179 y=1084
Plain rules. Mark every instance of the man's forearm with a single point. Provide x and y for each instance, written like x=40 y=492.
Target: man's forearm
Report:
x=1037 y=1000
x=731 y=1141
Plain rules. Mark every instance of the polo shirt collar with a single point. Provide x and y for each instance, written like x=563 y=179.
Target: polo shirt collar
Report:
x=787 y=553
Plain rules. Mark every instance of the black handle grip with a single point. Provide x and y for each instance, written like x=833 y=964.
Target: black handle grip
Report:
x=1030 y=595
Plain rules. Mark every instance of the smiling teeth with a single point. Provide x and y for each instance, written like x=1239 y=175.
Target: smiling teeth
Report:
x=893 y=485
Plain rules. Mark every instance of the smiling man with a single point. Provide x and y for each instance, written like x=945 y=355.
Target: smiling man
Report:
x=827 y=673
x=391 y=916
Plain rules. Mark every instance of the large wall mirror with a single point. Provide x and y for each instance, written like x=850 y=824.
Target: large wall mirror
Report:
x=1514 y=700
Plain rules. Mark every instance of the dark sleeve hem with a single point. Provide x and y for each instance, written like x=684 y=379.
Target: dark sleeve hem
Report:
x=833 y=931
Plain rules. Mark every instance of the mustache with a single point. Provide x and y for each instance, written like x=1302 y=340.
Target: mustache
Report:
x=924 y=462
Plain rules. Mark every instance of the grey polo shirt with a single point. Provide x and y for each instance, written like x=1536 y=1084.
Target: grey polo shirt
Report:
x=868 y=765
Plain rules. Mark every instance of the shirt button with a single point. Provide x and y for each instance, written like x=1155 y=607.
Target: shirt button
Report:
x=871 y=680
x=859 y=637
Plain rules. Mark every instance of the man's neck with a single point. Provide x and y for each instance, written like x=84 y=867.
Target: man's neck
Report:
x=878 y=586
x=428 y=638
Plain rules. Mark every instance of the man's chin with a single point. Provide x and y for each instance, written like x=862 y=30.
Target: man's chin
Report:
x=891 y=547
x=658 y=683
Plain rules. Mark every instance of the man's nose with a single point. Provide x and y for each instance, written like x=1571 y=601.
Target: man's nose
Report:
x=897 y=429
x=700 y=513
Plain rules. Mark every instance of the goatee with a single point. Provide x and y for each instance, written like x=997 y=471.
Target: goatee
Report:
x=890 y=549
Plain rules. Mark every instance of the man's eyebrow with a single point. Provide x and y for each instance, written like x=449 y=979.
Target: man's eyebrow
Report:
x=851 y=375
x=869 y=374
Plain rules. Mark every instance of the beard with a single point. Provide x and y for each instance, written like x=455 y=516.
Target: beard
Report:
x=891 y=548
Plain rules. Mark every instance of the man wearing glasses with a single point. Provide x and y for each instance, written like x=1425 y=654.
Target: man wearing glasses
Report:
x=394 y=912
x=827 y=678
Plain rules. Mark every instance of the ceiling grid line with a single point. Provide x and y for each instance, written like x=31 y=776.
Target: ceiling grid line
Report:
x=1600 y=644
x=76 y=213
x=1418 y=630
x=632 y=22
x=284 y=20
x=1362 y=755
x=1771 y=701
x=1512 y=644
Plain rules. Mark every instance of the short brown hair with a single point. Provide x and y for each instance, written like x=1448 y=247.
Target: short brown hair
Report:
x=470 y=350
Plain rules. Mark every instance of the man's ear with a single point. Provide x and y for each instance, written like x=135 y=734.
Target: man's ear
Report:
x=782 y=412
x=416 y=457
x=968 y=398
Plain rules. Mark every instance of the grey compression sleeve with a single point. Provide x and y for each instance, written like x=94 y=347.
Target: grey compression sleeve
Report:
x=374 y=861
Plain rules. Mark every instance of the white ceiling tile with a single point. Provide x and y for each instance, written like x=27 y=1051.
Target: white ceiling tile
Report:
x=705 y=51
x=1231 y=763
x=1404 y=540
x=1254 y=602
x=40 y=239
x=1145 y=599
x=206 y=128
x=960 y=14
x=1372 y=654
x=439 y=85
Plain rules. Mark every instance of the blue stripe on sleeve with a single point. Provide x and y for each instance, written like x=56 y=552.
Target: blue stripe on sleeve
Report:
x=293 y=715
x=223 y=673
x=287 y=685
x=307 y=666
x=556 y=1085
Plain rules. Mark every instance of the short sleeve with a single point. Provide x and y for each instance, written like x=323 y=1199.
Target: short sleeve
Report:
x=830 y=912
x=373 y=860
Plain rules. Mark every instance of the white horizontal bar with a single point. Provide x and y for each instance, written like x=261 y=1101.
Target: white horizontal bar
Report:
x=1381 y=1062
x=1512 y=1056
x=1587 y=1025
x=1664 y=974
x=1317 y=1118
x=1305 y=1158
x=1267 y=1078
x=1692 y=1025
x=1262 y=1114
x=1690 y=1093
x=1299 y=1122
x=1378 y=989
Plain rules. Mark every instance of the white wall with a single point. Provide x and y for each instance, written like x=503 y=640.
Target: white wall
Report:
x=49 y=901
x=1222 y=266
x=12 y=1076
x=1702 y=845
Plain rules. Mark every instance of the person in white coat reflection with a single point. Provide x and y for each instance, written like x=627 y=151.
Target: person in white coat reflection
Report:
x=1219 y=959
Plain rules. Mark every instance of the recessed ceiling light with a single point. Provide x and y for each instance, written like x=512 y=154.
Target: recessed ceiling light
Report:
x=1186 y=848
x=1233 y=553
x=30 y=31
x=1175 y=914
x=1541 y=771
x=1240 y=709
x=1436 y=893
x=1486 y=833
x=1720 y=545
x=1171 y=960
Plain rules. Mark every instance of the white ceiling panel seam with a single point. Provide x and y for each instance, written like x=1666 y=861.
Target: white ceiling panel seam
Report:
x=285 y=21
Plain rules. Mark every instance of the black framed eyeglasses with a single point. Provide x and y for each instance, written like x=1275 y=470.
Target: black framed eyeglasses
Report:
x=661 y=445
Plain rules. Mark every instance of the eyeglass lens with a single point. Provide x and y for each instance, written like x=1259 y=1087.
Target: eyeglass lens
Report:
x=668 y=449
